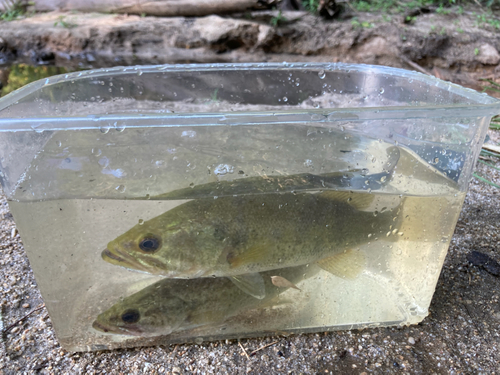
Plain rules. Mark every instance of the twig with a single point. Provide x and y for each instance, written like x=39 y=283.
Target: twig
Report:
x=24 y=317
x=473 y=320
x=263 y=347
x=415 y=66
x=244 y=351
x=478 y=3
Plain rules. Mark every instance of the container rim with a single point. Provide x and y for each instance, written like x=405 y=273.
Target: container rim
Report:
x=481 y=104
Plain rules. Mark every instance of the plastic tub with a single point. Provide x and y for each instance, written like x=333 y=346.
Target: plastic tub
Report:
x=185 y=203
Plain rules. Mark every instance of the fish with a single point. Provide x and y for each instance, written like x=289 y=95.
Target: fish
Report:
x=354 y=179
x=173 y=305
x=240 y=237
x=240 y=228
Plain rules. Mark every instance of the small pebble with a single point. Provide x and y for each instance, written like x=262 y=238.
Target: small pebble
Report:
x=26 y=305
x=411 y=340
x=13 y=232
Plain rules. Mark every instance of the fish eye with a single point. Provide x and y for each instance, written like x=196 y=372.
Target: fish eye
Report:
x=149 y=244
x=131 y=316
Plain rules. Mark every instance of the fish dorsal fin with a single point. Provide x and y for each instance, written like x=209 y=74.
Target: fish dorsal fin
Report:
x=347 y=265
x=250 y=283
x=359 y=201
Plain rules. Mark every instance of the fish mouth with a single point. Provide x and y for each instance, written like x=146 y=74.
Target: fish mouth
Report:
x=116 y=330
x=101 y=327
x=106 y=254
x=120 y=259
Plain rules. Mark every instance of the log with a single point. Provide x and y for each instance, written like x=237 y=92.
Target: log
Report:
x=163 y=8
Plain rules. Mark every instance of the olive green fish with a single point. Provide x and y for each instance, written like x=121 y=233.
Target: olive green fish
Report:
x=351 y=179
x=239 y=237
x=171 y=305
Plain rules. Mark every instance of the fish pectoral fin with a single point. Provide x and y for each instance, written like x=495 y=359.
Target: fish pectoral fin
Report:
x=347 y=265
x=250 y=283
x=254 y=254
x=357 y=200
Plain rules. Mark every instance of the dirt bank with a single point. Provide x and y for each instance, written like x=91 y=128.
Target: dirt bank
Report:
x=458 y=47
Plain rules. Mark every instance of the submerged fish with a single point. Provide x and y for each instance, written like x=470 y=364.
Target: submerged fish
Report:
x=239 y=237
x=169 y=305
x=352 y=179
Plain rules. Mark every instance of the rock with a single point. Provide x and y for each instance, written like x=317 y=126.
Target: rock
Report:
x=488 y=55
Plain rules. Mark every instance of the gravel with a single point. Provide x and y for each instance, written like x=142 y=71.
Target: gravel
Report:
x=461 y=335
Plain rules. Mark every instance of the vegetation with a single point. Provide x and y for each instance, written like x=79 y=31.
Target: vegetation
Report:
x=61 y=21
x=278 y=20
x=489 y=154
x=441 y=6
x=23 y=74
x=360 y=24
x=13 y=9
x=311 y=5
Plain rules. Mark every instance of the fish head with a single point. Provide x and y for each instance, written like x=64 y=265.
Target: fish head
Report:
x=169 y=248
x=146 y=313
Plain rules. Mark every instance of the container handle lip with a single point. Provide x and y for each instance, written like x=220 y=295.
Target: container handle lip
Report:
x=319 y=117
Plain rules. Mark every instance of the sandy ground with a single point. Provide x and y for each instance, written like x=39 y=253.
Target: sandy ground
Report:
x=461 y=335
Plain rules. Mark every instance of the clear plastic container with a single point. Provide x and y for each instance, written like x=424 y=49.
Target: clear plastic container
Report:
x=185 y=203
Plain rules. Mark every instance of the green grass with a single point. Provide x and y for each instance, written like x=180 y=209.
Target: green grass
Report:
x=278 y=20
x=489 y=154
x=495 y=125
x=485 y=180
x=311 y=5
x=360 y=24
x=487 y=18
x=61 y=21
x=441 y=7
x=495 y=87
x=13 y=10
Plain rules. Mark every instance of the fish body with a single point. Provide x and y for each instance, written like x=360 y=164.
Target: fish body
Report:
x=172 y=305
x=354 y=179
x=248 y=234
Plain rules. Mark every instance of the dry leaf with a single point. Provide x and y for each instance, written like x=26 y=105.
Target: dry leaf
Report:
x=281 y=282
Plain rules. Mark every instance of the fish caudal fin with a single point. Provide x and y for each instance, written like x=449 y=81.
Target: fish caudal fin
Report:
x=358 y=201
x=250 y=283
x=346 y=265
